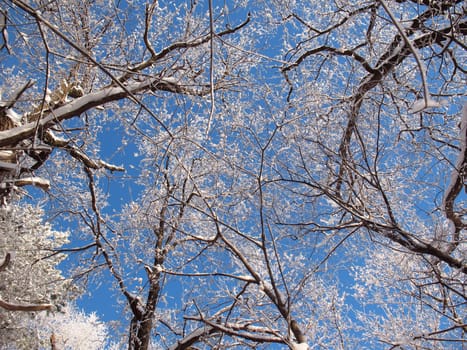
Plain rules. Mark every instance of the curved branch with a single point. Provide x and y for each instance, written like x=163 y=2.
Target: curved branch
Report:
x=78 y=154
x=418 y=59
x=182 y=45
x=457 y=182
x=395 y=55
x=24 y=307
x=193 y=337
x=337 y=51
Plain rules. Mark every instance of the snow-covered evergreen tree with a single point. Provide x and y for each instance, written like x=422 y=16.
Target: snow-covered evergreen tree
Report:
x=31 y=278
x=72 y=329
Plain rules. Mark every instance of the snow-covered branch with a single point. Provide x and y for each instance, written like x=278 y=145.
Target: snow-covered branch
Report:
x=24 y=307
x=242 y=329
x=77 y=107
x=244 y=278
x=193 y=338
x=78 y=154
x=43 y=184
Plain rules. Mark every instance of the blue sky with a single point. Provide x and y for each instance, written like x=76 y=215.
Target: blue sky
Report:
x=252 y=135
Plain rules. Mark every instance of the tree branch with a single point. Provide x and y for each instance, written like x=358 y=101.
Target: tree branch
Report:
x=82 y=104
x=24 y=307
x=78 y=154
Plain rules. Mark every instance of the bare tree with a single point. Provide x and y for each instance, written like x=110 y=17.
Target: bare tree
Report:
x=288 y=172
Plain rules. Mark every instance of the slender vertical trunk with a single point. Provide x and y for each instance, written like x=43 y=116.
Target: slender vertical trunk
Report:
x=53 y=341
x=145 y=326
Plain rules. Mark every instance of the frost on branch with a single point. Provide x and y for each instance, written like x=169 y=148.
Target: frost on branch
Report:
x=24 y=150
x=422 y=104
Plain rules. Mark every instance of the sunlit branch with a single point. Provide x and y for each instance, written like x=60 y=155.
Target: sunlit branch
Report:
x=210 y=274
x=35 y=181
x=148 y=18
x=4 y=31
x=82 y=104
x=455 y=185
x=192 y=338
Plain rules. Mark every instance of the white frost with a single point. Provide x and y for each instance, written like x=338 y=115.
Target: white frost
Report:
x=13 y=115
x=246 y=278
x=422 y=104
x=73 y=329
x=301 y=346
